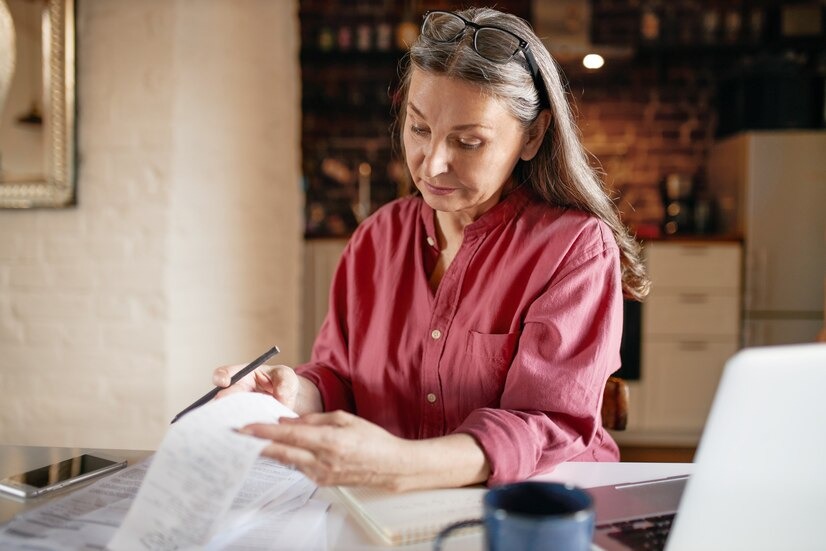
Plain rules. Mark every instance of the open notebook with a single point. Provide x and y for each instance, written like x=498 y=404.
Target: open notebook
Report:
x=410 y=517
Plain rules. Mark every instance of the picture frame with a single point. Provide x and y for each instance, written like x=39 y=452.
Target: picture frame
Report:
x=37 y=142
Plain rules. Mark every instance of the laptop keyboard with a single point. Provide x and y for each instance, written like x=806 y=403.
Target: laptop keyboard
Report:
x=647 y=533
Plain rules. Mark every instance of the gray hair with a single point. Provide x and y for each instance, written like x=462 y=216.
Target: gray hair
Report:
x=560 y=172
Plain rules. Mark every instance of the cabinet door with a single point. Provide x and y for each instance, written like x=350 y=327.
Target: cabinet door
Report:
x=765 y=332
x=321 y=257
x=693 y=265
x=691 y=313
x=682 y=378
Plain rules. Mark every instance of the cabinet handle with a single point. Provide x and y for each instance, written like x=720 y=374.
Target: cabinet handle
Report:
x=693 y=298
x=693 y=346
x=757 y=279
x=695 y=250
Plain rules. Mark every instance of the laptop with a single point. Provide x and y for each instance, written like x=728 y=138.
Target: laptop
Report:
x=759 y=478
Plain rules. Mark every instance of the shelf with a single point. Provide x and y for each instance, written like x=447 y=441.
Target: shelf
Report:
x=731 y=49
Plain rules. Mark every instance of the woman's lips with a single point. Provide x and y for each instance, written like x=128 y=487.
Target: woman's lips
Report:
x=439 y=190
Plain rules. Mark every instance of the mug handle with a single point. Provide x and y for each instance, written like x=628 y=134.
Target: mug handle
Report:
x=445 y=532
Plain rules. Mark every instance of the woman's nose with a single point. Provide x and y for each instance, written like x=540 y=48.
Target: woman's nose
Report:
x=436 y=159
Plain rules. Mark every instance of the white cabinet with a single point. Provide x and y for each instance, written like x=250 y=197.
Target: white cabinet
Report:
x=690 y=327
x=683 y=376
x=321 y=257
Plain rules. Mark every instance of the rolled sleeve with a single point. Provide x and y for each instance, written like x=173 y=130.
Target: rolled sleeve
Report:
x=549 y=411
x=336 y=392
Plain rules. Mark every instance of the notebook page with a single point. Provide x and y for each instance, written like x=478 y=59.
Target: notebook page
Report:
x=398 y=518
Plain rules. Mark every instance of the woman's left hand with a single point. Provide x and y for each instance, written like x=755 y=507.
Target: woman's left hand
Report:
x=336 y=448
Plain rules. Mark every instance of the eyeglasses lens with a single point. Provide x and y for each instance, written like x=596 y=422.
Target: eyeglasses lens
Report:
x=443 y=27
x=496 y=45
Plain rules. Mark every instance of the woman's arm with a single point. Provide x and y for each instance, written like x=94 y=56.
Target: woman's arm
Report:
x=339 y=448
x=549 y=411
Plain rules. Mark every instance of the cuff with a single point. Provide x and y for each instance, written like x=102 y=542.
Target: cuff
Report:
x=509 y=446
x=336 y=393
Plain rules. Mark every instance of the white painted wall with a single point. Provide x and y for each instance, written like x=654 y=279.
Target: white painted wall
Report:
x=184 y=252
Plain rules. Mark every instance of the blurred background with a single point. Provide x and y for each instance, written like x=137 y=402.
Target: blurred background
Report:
x=225 y=150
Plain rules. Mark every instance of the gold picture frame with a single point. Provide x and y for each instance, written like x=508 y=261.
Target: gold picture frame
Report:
x=55 y=185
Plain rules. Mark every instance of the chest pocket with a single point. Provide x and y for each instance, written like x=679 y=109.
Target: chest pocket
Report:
x=491 y=355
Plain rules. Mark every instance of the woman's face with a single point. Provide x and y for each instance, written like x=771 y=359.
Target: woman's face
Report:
x=461 y=145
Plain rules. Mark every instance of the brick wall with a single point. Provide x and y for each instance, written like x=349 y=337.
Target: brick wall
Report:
x=658 y=111
x=642 y=123
x=184 y=250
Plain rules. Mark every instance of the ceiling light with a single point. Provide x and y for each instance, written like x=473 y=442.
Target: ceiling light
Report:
x=593 y=61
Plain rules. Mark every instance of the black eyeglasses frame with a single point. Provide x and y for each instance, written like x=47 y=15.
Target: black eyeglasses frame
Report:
x=522 y=45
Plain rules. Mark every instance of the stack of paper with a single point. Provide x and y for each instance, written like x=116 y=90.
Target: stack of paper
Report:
x=206 y=487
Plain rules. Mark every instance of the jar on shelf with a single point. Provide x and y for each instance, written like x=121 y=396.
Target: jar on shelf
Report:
x=711 y=25
x=650 y=22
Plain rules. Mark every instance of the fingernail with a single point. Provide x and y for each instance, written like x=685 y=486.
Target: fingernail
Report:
x=243 y=430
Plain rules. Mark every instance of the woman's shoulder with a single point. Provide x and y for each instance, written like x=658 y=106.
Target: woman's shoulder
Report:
x=407 y=206
x=395 y=218
x=569 y=227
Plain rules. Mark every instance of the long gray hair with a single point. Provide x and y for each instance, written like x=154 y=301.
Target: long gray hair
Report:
x=559 y=173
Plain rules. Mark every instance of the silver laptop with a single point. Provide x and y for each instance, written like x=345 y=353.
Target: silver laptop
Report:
x=759 y=479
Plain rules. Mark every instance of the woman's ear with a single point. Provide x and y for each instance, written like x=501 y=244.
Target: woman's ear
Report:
x=536 y=133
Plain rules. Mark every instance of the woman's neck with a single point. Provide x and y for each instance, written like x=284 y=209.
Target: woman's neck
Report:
x=450 y=228
x=449 y=234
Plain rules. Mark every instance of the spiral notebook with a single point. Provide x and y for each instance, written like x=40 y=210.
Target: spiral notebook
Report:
x=409 y=517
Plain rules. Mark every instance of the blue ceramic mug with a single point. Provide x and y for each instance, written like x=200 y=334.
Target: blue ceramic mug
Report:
x=533 y=516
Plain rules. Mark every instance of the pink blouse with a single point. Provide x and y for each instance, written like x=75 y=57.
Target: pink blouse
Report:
x=513 y=348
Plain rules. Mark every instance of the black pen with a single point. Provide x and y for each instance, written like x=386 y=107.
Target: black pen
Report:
x=235 y=378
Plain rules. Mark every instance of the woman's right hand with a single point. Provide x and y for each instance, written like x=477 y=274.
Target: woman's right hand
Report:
x=279 y=381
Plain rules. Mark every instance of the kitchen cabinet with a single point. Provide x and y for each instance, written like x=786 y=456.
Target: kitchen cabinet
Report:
x=321 y=257
x=690 y=327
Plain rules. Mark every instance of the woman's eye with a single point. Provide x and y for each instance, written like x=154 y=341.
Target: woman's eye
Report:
x=418 y=130
x=470 y=143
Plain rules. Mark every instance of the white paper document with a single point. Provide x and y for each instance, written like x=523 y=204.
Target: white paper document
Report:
x=85 y=519
x=206 y=487
x=196 y=474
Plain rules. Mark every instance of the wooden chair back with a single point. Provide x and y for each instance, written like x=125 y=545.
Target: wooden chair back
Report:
x=615 y=404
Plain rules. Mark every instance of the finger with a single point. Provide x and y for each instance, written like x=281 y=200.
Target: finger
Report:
x=311 y=465
x=299 y=458
x=336 y=418
x=315 y=439
x=232 y=390
x=262 y=380
x=222 y=376
x=284 y=382
x=284 y=388
x=254 y=382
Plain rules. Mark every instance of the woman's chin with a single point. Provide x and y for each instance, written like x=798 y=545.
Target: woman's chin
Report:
x=444 y=203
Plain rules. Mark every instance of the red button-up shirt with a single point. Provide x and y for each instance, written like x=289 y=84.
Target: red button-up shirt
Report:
x=513 y=348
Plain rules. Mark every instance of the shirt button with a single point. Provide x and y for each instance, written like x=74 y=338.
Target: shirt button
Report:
x=431 y=398
x=436 y=334
x=430 y=241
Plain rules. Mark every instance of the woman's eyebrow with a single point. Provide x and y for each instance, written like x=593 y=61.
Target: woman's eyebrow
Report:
x=415 y=109
x=467 y=126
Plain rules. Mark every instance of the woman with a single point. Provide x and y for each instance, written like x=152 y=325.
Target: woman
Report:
x=473 y=325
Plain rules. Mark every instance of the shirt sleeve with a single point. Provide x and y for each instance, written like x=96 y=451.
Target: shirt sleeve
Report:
x=550 y=407
x=329 y=366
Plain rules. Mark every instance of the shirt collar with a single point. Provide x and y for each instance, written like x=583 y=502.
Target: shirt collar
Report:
x=506 y=209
